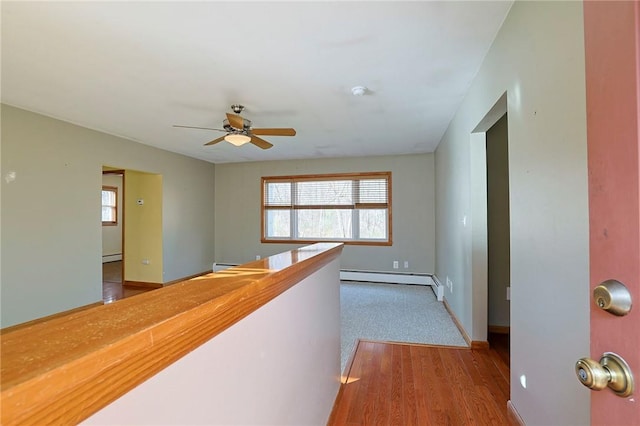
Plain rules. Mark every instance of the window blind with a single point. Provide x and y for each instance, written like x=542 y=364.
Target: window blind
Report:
x=361 y=191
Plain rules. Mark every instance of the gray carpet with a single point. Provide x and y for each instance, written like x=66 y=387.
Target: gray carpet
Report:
x=393 y=313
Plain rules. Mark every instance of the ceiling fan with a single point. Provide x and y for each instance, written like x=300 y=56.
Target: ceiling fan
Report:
x=239 y=131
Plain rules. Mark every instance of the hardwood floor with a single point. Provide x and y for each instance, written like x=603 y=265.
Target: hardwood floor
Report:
x=112 y=288
x=500 y=343
x=402 y=384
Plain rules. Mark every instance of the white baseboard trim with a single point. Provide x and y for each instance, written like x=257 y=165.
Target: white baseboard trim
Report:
x=514 y=413
x=111 y=257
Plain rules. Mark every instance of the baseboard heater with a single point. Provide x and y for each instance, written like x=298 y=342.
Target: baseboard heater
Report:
x=222 y=266
x=438 y=288
x=394 y=278
x=111 y=257
x=377 y=277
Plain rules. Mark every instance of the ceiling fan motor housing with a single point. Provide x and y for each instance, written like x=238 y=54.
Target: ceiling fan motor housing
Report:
x=246 y=126
x=237 y=108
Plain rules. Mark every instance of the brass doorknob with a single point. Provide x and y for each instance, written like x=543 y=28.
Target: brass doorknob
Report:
x=592 y=374
x=612 y=371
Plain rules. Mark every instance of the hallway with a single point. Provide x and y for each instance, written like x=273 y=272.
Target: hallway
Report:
x=398 y=384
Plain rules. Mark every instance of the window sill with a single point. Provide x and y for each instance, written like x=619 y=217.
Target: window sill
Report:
x=355 y=243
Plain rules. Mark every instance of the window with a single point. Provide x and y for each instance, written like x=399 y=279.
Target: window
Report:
x=109 y=205
x=354 y=208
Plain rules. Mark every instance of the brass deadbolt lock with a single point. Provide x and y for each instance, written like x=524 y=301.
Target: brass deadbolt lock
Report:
x=612 y=371
x=613 y=296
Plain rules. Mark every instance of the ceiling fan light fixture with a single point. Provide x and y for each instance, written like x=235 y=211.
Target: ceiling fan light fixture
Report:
x=237 y=139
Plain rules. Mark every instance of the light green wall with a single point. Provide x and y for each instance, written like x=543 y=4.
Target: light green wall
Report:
x=238 y=210
x=57 y=227
x=143 y=227
x=537 y=58
x=51 y=227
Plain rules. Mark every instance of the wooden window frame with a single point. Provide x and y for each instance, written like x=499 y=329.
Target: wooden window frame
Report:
x=357 y=206
x=115 y=208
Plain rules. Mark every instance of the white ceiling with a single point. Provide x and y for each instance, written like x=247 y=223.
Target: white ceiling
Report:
x=133 y=69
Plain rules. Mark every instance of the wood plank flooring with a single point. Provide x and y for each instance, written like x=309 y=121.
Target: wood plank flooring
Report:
x=402 y=384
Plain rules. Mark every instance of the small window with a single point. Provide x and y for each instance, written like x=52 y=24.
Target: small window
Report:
x=109 y=205
x=354 y=208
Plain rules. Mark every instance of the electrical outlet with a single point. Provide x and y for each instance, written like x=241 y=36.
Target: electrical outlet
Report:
x=449 y=285
x=145 y=261
x=508 y=293
x=395 y=264
x=406 y=264
x=257 y=257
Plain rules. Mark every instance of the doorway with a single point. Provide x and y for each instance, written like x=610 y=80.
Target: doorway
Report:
x=498 y=238
x=112 y=234
x=485 y=324
x=132 y=236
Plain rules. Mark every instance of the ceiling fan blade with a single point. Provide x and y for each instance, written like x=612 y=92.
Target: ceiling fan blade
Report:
x=203 y=128
x=274 y=132
x=260 y=142
x=236 y=121
x=215 y=141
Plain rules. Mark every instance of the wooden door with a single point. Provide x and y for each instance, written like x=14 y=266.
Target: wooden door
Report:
x=612 y=43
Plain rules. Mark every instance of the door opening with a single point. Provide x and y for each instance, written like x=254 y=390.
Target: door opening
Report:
x=135 y=259
x=113 y=235
x=498 y=239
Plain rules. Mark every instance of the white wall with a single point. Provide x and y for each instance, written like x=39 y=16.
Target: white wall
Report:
x=413 y=189
x=51 y=239
x=538 y=60
x=112 y=235
x=252 y=373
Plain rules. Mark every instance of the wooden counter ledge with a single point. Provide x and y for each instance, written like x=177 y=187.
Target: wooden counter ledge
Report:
x=63 y=370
